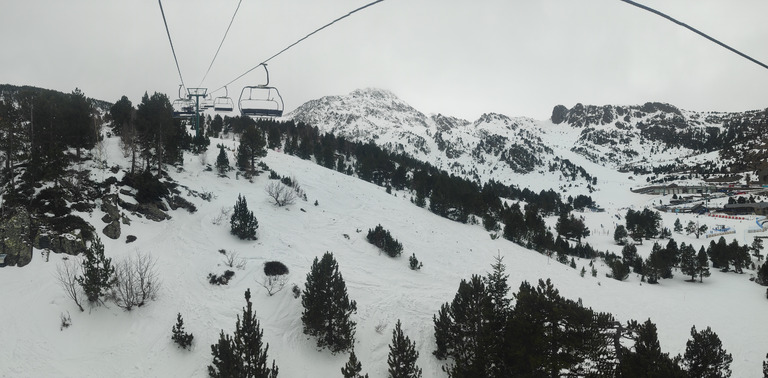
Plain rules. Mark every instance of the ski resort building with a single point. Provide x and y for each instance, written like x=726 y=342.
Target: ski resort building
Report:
x=676 y=189
x=760 y=208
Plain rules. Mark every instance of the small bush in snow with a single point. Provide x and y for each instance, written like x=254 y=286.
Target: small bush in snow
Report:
x=275 y=268
x=136 y=282
x=183 y=339
x=296 y=291
x=233 y=260
x=274 y=284
x=220 y=280
x=280 y=193
x=67 y=273
x=66 y=321
x=276 y=277
x=414 y=263
x=384 y=240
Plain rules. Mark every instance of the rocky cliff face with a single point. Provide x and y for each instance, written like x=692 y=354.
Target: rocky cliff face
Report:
x=15 y=237
x=620 y=135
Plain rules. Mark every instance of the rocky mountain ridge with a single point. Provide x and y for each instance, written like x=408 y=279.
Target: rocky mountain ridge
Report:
x=643 y=137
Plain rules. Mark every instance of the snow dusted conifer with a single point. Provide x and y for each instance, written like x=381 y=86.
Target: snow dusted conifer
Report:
x=183 y=339
x=353 y=367
x=243 y=223
x=327 y=307
x=98 y=272
x=402 y=355
x=249 y=344
x=245 y=354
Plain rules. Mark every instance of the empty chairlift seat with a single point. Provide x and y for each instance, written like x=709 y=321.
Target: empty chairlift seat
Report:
x=261 y=101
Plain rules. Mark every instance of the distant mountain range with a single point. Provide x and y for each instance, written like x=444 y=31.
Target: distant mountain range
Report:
x=644 y=137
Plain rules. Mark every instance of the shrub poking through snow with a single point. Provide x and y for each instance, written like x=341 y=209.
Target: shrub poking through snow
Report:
x=276 y=277
x=66 y=321
x=183 y=339
x=280 y=193
x=136 y=282
x=414 y=263
x=67 y=273
x=220 y=280
x=275 y=268
x=384 y=240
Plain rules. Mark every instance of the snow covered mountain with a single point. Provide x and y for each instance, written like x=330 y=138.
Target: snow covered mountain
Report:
x=512 y=149
x=623 y=135
x=494 y=146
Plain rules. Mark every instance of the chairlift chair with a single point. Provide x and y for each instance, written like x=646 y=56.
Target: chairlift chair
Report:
x=183 y=107
x=261 y=100
x=207 y=103
x=223 y=103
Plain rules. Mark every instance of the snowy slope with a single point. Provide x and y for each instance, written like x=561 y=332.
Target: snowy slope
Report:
x=107 y=341
x=520 y=150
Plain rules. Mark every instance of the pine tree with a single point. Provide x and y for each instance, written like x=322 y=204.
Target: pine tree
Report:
x=678 y=226
x=327 y=307
x=762 y=275
x=757 y=246
x=620 y=235
x=765 y=366
x=497 y=310
x=245 y=354
x=242 y=160
x=183 y=339
x=222 y=162
x=402 y=355
x=353 y=367
x=702 y=264
x=243 y=223
x=414 y=263
x=467 y=329
x=443 y=332
x=226 y=361
x=98 y=272
x=249 y=344
x=688 y=262
x=705 y=357
x=691 y=228
x=647 y=359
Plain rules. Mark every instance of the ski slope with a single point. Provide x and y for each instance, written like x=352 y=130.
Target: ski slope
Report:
x=110 y=342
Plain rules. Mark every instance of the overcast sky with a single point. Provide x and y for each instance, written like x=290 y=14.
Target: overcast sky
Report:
x=460 y=58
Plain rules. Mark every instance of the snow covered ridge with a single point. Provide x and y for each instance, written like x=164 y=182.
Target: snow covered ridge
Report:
x=624 y=135
x=494 y=146
x=513 y=148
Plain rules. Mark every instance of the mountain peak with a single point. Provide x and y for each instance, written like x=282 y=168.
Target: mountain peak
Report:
x=373 y=93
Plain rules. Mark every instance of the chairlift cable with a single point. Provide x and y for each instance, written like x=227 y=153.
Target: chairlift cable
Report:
x=302 y=39
x=649 y=9
x=221 y=44
x=171 y=41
